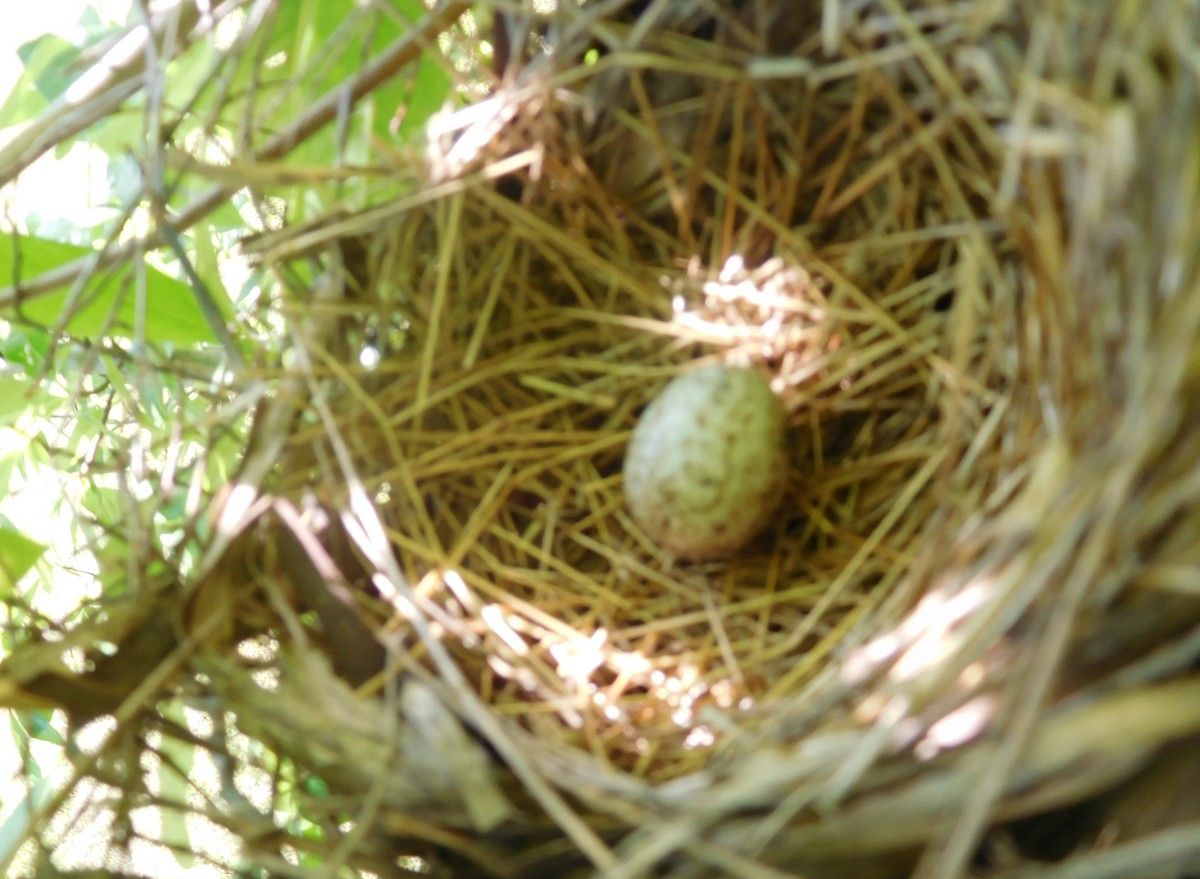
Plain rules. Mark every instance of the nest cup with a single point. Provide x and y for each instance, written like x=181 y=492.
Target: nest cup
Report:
x=539 y=324
x=961 y=240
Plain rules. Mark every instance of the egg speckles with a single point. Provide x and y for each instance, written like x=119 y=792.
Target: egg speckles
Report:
x=705 y=467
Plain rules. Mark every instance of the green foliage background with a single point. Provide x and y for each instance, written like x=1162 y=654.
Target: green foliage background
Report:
x=123 y=382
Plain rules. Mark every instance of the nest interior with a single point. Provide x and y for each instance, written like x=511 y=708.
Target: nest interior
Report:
x=961 y=238
x=540 y=314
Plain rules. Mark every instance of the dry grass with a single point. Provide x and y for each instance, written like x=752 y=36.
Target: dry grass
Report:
x=940 y=238
x=962 y=238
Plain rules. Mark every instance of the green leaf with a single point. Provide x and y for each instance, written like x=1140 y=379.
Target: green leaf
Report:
x=20 y=734
x=52 y=60
x=204 y=253
x=413 y=10
x=15 y=398
x=430 y=88
x=103 y=503
x=172 y=314
x=52 y=64
x=40 y=727
x=47 y=60
x=18 y=554
x=19 y=395
x=12 y=457
x=174 y=787
x=19 y=824
x=25 y=347
x=309 y=30
x=124 y=177
x=117 y=133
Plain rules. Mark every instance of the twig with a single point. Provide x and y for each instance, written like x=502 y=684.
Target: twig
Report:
x=398 y=55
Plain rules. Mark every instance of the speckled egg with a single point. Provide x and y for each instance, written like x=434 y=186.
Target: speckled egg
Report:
x=706 y=467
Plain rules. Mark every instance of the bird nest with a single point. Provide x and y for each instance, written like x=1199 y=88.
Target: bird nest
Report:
x=960 y=239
